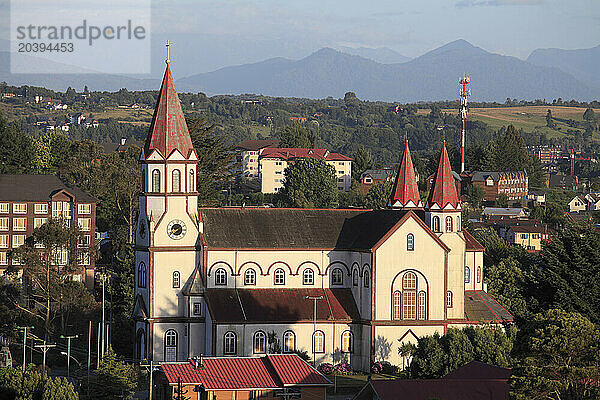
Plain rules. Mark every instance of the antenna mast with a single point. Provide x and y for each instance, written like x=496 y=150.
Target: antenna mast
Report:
x=464 y=94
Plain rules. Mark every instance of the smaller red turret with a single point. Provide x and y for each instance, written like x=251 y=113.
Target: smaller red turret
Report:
x=406 y=192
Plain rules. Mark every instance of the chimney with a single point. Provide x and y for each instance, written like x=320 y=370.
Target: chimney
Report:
x=198 y=362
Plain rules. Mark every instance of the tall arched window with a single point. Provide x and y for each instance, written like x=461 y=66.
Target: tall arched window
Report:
x=156 y=181
x=279 y=276
x=396 y=304
x=192 y=183
x=176 y=178
x=467 y=274
x=410 y=242
x=260 y=341
x=449 y=300
x=221 y=277
x=171 y=345
x=308 y=277
x=435 y=224
x=448 y=224
x=176 y=279
x=478 y=274
x=458 y=223
x=318 y=342
x=409 y=296
x=141 y=344
x=337 y=276
x=229 y=343
x=142 y=275
x=250 y=277
x=347 y=342
x=422 y=306
x=289 y=342
x=366 y=279
x=355 y=277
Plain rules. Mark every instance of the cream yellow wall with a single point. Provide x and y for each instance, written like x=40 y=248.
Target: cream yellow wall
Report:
x=387 y=340
x=474 y=260
x=456 y=272
x=169 y=301
x=343 y=170
x=272 y=174
x=393 y=259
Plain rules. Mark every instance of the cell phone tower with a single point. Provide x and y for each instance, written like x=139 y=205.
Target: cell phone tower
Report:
x=464 y=94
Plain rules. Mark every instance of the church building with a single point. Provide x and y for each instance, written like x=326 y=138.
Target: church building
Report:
x=342 y=285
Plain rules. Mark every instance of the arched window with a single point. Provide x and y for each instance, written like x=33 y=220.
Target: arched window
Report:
x=422 y=306
x=308 y=277
x=250 y=277
x=410 y=242
x=176 y=178
x=366 y=279
x=449 y=299
x=142 y=275
x=176 y=279
x=171 y=345
x=478 y=274
x=355 y=277
x=409 y=296
x=448 y=224
x=467 y=274
x=337 y=276
x=396 y=304
x=260 y=341
x=279 y=277
x=221 y=277
x=318 y=342
x=229 y=343
x=435 y=224
x=156 y=181
x=347 y=342
x=458 y=223
x=141 y=344
x=289 y=342
x=192 y=182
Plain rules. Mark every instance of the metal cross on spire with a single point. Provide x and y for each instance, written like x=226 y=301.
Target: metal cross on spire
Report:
x=168 y=60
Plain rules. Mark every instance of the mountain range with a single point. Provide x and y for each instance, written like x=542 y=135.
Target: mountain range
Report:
x=373 y=74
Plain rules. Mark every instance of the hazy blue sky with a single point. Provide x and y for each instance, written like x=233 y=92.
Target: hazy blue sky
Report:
x=511 y=27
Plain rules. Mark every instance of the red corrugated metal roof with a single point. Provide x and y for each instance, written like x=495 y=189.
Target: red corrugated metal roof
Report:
x=292 y=370
x=168 y=130
x=288 y=153
x=243 y=373
x=472 y=243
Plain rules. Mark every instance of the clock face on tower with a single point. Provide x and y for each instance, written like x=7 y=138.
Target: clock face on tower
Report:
x=176 y=229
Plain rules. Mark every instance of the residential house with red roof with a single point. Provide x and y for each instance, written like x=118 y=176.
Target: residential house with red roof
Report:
x=272 y=376
x=341 y=285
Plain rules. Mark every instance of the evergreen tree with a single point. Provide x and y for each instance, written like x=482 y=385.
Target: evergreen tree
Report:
x=309 y=183
x=549 y=120
x=295 y=136
x=378 y=195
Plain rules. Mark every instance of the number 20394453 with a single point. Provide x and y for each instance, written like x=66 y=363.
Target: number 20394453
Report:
x=45 y=47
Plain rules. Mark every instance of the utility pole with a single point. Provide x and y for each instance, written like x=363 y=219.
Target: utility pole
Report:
x=150 y=365
x=69 y=352
x=89 y=358
x=103 y=279
x=24 y=329
x=314 y=299
x=98 y=353
x=45 y=348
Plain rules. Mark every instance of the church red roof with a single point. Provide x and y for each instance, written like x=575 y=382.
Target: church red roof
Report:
x=443 y=190
x=405 y=188
x=168 y=130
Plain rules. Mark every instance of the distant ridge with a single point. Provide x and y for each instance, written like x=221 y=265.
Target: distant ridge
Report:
x=383 y=55
x=432 y=76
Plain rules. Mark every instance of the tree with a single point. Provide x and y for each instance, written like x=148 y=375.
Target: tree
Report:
x=48 y=266
x=363 y=160
x=309 y=183
x=16 y=384
x=560 y=358
x=589 y=114
x=350 y=98
x=475 y=194
x=115 y=379
x=378 y=195
x=17 y=151
x=501 y=200
x=296 y=135
x=436 y=355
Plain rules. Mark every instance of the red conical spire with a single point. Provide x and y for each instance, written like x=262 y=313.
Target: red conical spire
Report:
x=443 y=190
x=168 y=130
x=406 y=192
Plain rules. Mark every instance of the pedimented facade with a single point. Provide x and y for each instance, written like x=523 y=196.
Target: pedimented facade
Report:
x=342 y=285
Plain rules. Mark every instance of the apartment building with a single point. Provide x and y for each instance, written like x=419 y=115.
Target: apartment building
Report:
x=28 y=201
x=249 y=151
x=274 y=161
x=513 y=184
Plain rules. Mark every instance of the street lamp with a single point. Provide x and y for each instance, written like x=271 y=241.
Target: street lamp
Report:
x=69 y=352
x=314 y=299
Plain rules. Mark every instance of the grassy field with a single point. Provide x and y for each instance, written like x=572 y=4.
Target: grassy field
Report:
x=529 y=118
